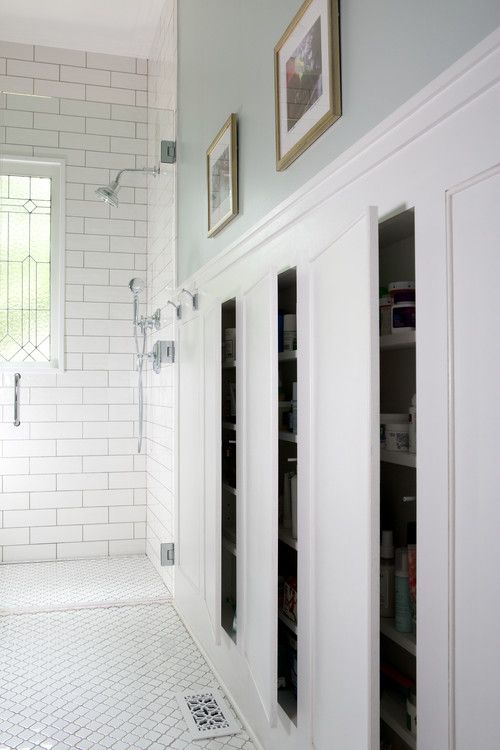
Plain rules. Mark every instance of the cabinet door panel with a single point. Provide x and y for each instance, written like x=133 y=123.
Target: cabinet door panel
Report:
x=474 y=221
x=345 y=488
x=190 y=506
x=260 y=501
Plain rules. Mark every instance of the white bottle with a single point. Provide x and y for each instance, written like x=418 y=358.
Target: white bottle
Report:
x=403 y=620
x=387 y=575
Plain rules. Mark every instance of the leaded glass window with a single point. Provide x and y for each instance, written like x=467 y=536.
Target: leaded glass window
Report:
x=31 y=263
x=25 y=203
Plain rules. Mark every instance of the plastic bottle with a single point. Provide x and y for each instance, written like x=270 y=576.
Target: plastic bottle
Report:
x=387 y=575
x=403 y=621
x=411 y=534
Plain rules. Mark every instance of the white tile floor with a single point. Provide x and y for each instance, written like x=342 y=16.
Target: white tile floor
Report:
x=65 y=584
x=99 y=678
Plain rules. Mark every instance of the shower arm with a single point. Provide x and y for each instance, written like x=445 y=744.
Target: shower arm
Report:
x=147 y=170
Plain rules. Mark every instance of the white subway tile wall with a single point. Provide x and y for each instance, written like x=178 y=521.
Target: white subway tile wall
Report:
x=162 y=76
x=71 y=482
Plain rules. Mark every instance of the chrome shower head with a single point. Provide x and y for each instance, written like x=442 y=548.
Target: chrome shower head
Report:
x=109 y=194
x=136 y=285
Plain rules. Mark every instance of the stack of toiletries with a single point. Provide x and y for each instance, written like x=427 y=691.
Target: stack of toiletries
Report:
x=397 y=308
x=398 y=580
x=398 y=432
x=287 y=332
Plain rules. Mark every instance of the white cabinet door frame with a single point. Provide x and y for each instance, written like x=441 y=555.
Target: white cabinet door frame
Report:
x=345 y=490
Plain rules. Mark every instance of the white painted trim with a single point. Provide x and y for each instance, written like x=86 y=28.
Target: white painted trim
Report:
x=457 y=86
x=450 y=194
x=221 y=682
x=56 y=170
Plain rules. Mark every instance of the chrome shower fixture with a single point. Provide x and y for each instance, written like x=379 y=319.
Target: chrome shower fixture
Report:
x=178 y=309
x=136 y=287
x=194 y=297
x=109 y=193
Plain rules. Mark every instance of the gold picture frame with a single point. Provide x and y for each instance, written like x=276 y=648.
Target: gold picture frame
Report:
x=222 y=176
x=307 y=79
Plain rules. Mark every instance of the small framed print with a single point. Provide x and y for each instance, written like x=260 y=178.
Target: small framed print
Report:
x=307 y=79
x=222 y=176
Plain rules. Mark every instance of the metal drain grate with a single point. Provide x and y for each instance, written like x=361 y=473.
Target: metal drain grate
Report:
x=207 y=714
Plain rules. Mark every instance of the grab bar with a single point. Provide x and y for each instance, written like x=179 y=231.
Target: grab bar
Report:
x=17 y=405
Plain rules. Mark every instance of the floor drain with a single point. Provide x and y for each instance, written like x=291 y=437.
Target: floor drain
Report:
x=207 y=714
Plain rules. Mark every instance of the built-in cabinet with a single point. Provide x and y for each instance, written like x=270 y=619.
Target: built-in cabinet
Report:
x=284 y=488
x=398 y=489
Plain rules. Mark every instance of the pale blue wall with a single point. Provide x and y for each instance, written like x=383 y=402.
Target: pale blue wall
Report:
x=390 y=50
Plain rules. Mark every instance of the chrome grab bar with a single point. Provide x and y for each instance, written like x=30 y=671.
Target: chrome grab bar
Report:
x=17 y=405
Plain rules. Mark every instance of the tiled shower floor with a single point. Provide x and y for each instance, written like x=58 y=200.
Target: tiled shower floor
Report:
x=98 y=678
x=47 y=586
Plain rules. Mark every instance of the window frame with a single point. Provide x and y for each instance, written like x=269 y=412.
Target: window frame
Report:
x=55 y=169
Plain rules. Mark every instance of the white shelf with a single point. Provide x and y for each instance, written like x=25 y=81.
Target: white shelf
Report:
x=399 y=457
x=407 y=641
x=393 y=713
x=289 y=437
x=288 y=703
x=291 y=625
x=229 y=426
x=286 y=537
x=228 y=488
x=287 y=356
x=393 y=341
x=229 y=544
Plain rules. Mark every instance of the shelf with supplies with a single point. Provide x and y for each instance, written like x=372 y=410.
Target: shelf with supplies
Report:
x=229 y=449
x=287 y=490
x=393 y=713
x=407 y=641
x=289 y=437
x=286 y=537
x=402 y=458
x=229 y=541
x=393 y=341
x=290 y=624
x=398 y=487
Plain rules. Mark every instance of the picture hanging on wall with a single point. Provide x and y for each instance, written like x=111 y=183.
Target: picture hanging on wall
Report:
x=222 y=176
x=307 y=79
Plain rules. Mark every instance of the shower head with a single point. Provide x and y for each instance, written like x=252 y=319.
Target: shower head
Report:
x=109 y=194
x=136 y=285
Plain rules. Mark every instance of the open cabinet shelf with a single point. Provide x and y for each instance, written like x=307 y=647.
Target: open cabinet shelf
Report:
x=398 y=341
x=399 y=457
x=287 y=545
x=228 y=490
x=397 y=481
x=407 y=641
x=393 y=713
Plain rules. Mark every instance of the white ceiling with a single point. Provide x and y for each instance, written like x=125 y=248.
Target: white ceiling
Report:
x=118 y=27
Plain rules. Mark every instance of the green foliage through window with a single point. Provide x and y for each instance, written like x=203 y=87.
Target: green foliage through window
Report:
x=24 y=268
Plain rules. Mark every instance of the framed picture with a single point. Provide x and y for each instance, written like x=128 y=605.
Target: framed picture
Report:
x=222 y=176
x=307 y=79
